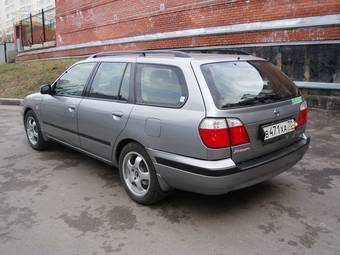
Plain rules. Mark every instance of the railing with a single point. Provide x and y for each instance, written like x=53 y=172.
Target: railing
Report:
x=37 y=29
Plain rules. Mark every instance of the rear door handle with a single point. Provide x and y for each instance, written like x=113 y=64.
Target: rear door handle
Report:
x=117 y=115
x=71 y=108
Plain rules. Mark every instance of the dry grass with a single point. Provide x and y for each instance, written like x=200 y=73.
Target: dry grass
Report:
x=20 y=79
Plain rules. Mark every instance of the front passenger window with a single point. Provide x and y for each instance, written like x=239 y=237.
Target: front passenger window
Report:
x=72 y=83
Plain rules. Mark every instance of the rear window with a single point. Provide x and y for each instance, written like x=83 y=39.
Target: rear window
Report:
x=107 y=81
x=246 y=83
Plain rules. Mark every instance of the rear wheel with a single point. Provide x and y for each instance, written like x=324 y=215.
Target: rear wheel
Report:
x=138 y=175
x=33 y=131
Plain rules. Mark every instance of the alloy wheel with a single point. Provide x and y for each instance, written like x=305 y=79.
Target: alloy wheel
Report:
x=32 y=130
x=136 y=173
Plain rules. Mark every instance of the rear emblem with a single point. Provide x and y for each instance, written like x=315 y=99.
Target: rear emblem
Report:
x=276 y=112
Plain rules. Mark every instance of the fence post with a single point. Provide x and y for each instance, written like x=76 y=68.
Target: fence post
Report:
x=31 y=25
x=22 y=35
x=5 y=51
x=43 y=24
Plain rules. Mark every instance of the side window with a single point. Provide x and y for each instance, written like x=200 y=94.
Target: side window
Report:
x=108 y=80
x=72 y=83
x=160 y=85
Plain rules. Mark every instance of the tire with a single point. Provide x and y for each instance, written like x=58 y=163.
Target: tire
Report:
x=33 y=131
x=139 y=177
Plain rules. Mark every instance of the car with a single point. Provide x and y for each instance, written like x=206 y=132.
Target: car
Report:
x=199 y=122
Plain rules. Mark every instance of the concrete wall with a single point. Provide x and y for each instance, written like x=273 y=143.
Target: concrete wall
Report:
x=2 y=54
x=7 y=53
x=321 y=98
x=314 y=63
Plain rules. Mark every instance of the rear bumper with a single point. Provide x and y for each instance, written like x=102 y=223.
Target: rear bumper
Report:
x=222 y=176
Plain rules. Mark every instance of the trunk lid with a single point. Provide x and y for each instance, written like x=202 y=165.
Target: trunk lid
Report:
x=254 y=118
x=258 y=94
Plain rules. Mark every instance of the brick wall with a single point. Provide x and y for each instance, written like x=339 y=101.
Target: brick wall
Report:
x=81 y=21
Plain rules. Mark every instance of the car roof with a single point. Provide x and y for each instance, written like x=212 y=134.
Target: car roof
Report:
x=209 y=58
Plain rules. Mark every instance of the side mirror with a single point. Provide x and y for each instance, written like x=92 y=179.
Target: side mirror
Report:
x=46 y=89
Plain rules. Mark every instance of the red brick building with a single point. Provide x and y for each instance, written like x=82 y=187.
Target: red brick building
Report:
x=300 y=36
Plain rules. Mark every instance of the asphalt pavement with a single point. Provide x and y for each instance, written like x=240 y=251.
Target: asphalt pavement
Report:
x=62 y=202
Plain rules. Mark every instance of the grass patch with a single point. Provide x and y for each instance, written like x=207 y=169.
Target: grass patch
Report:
x=20 y=79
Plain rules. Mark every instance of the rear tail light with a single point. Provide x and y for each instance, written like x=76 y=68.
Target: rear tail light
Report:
x=303 y=115
x=238 y=132
x=216 y=134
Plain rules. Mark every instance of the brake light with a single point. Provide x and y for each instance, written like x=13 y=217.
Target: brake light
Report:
x=238 y=132
x=216 y=134
x=303 y=115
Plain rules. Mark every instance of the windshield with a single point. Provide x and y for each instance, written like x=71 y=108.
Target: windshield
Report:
x=246 y=83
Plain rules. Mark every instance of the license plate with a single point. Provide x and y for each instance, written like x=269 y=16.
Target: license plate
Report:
x=278 y=129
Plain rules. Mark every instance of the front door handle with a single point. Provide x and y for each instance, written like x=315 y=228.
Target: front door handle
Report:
x=117 y=115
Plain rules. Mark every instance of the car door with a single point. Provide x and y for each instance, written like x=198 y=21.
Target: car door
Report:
x=59 y=110
x=103 y=113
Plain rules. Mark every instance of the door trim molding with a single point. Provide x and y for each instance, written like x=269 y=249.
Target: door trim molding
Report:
x=77 y=133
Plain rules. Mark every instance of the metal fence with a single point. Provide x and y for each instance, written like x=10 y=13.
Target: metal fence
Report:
x=38 y=28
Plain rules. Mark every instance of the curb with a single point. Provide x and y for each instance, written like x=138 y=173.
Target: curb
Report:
x=10 y=101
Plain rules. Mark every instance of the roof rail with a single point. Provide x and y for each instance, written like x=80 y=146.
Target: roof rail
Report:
x=179 y=54
x=219 y=51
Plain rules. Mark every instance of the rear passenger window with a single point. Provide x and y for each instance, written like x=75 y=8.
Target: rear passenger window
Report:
x=160 y=85
x=108 y=80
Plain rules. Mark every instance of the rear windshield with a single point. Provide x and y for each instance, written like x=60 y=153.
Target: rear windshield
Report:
x=247 y=83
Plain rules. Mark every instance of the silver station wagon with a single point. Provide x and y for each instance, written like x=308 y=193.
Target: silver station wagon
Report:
x=205 y=123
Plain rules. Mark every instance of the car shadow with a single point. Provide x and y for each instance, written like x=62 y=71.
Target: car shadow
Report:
x=238 y=200
x=243 y=199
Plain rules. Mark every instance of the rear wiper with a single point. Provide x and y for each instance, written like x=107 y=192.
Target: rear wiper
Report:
x=251 y=101
x=257 y=99
x=268 y=96
x=243 y=102
x=263 y=98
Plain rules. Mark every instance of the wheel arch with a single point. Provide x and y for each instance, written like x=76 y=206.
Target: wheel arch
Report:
x=26 y=110
x=121 y=144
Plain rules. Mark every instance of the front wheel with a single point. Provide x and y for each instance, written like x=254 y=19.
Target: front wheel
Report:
x=33 y=131
x=138 y=175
